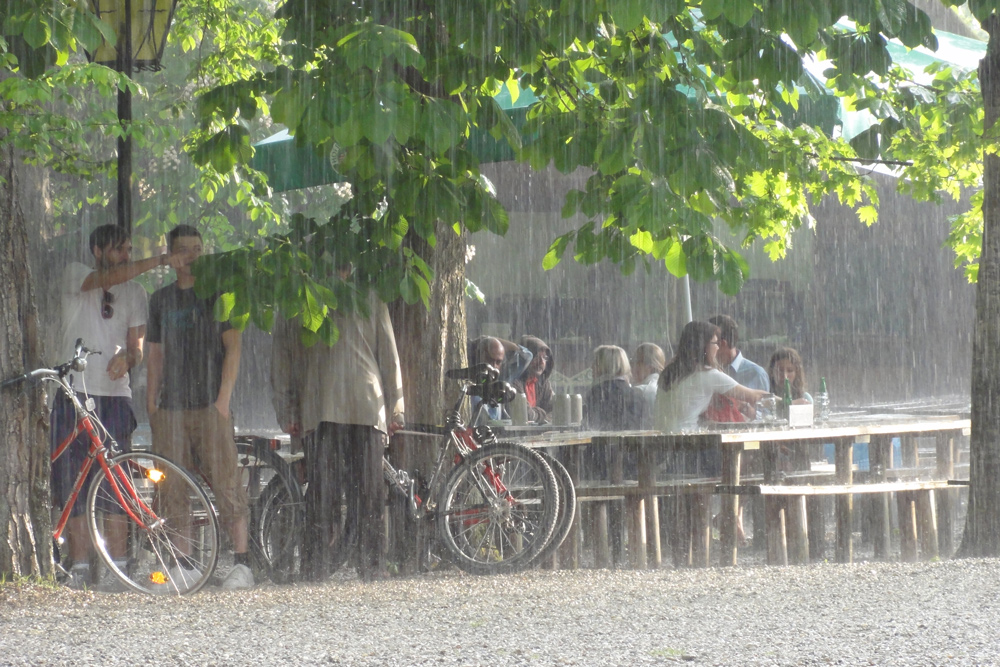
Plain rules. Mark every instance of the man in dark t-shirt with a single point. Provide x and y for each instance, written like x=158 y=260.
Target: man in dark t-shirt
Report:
x=192 y=368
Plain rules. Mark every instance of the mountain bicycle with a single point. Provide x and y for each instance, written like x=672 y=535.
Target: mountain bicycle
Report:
x=172 y=538
x=495 y=509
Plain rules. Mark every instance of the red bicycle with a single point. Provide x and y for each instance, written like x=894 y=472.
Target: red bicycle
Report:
x=149 y=519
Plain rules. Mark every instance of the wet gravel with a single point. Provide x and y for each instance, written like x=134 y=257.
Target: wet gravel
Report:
x=943 y=613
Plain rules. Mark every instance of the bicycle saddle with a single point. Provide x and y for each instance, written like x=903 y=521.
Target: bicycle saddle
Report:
x=480 y=373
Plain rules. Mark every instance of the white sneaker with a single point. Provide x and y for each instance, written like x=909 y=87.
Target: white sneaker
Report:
x=179 y=580
x=238 y=578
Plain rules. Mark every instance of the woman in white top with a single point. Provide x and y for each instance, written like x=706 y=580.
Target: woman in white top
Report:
x=692 y=377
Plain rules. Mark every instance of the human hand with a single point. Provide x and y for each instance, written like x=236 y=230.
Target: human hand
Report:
x=222 y=407
x=118 y=364
x=393 y=427
x=292 y=428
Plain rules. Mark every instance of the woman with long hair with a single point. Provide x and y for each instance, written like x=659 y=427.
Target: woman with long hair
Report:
x=787 y=364
x=692 y=378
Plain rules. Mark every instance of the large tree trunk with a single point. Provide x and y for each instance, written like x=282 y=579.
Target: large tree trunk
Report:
x=26 y=543
x=430 y=340
x=982 y=524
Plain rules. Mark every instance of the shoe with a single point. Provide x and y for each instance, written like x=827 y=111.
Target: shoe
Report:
x=79 y=577
x=179 y=580
x=110 y=583
x=239 y=577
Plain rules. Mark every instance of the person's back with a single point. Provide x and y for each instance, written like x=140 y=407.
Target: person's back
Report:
x=611 y=405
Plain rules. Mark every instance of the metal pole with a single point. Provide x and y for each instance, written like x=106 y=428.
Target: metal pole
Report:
x=124 y=65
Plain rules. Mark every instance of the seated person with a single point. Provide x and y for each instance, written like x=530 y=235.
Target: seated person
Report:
x=611 y=404
x=692 y=378
x=534 y=382
x=647 y=364
x=787 y=364
x=507 y=357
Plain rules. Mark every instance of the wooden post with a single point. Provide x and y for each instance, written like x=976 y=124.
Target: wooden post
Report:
x=797 y=530
x=844 y=461
x=879 y=461
x=599 y=531
x=647 y=479
x=701 y=529
x=570 y=550
x=777 y=545
x=617 y=508
x=946 y=497
x=636 y=518
x=729 y=514
x=926 y=523
x=907 y=527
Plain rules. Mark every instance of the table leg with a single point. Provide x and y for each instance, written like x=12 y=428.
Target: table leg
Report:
x=636 y=518
x=907 y=527
x=946 y=497
x=927 y=524
x=701 y=528
x=729 y=515
x=647 y=480
x=797 y=530
x=844 y=462
x=879 y=461
x=570 y=551
x=777 y=551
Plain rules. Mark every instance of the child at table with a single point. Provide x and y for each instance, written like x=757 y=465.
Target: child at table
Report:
x=786 y=364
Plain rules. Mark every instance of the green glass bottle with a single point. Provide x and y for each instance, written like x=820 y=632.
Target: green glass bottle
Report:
x=786 y=401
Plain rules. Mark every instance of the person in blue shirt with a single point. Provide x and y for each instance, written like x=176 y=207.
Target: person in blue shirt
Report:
x=732 y=361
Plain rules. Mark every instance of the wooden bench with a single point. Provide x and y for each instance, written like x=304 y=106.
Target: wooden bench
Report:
x=787 y=529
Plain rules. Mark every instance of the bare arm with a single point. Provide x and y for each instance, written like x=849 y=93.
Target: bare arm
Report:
x=154 y=375
x=123 y=360
x=232 y=340
x=741 y=393
x=101 y=279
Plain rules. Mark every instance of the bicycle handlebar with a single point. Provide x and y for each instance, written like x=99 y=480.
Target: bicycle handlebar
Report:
x=77 y=363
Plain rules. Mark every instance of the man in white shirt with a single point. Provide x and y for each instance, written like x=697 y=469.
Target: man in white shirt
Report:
x=732 y=361
x=107 y=309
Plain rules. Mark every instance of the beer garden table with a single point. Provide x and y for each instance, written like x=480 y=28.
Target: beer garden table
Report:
x=877 y=430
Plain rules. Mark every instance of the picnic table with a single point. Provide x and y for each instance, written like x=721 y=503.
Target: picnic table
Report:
x=784 y=493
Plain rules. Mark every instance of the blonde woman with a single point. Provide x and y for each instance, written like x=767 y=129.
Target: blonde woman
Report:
x=611 y=404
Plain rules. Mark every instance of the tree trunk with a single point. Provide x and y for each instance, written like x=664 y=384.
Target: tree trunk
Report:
x=982 y=524
x=430 y=340
x=26 y=543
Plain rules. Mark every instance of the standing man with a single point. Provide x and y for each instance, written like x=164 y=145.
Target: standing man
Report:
x=733 y=363
x=344 y=399
x=107 y=309
x=193 y=363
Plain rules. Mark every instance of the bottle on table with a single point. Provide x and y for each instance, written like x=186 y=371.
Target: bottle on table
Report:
x=786 y=400
x=822 y=402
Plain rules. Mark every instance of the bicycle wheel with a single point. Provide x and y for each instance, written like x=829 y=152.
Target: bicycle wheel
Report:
x=161 y=536
x=276 y=510
x=497 y=509
x=567 y=506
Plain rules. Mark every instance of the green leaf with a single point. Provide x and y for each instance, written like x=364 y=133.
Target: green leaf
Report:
x=712 y=9
x=738 y=12
x=627 y=14
x=37 y=31
x=675 y=260
x=224 y=306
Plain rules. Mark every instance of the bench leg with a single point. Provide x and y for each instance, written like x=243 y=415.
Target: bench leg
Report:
x=599 y=523
x=946 y=504
x=797 y=530
x=817 y=527
x=927 y=524
x=880 y=525
x=845 y=528
x=701 y=529
x=677 y=518
x=777 y=552
x=654 y=553
x=636 y=517
x=907 y=527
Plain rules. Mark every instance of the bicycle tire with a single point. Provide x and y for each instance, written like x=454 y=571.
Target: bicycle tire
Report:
x=491 y=530
x=277 y=510
x=567 y=507
x=156 y=541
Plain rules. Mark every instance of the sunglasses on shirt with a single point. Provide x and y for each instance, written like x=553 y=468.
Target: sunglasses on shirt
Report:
x=107 y=311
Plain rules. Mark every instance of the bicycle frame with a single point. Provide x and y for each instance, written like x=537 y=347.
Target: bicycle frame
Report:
x=458 y=438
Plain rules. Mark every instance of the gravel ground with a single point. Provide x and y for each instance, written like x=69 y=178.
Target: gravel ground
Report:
x=944 y=613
